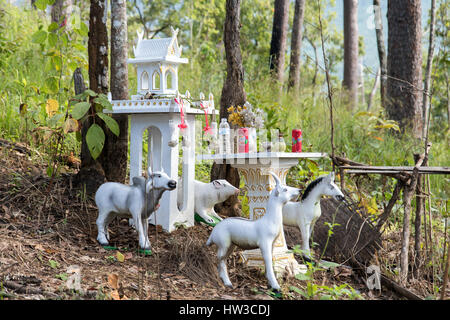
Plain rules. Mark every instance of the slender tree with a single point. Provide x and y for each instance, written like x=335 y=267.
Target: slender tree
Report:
x=404 y=64
x=296 y=45
x=279 y=36
x=429 y=67
x=351 y=38
x=116 y=150
x=381 y=50
x=233 y=94
x=92 y=174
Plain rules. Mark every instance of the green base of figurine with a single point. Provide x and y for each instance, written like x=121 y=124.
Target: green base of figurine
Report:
x=110 y=248
x=146 y=252
x=198 y=218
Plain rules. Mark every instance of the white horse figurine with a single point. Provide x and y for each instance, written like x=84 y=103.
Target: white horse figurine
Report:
x=138 y=200
x=252 y=234
x=305 y=213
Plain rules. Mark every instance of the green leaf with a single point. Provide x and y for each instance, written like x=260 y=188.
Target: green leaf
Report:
x=65 y=39
x=303 y=277
x=103 y=101
x=52 y=84
x=95 y=139
x=41 y=4
x=62 y=276
x=79 y=46
x=54 y=119
x=54 y=264
x=80 y=109
x=326 y=297
x=90 y=92
x=52 y=39
x=39 y=36
x=56 y=63
x=72 y=66
x=110 y=123
x=49 y=171
x=83 y=30
x=52 y=27
x=299 y=291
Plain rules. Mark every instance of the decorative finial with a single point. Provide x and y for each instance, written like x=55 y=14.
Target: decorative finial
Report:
x=202 y=96
x=211 y=97
x=140 y=34
x=174 y=31
x=187 y=94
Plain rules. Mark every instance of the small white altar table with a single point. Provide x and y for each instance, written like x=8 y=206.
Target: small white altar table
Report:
x=255 y=167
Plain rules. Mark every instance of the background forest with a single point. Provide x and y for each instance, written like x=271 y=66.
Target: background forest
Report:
x=42 y=45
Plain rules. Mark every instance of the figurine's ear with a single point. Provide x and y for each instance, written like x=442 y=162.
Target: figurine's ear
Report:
x=217 y=184
x=149 y=170
x=331 y=175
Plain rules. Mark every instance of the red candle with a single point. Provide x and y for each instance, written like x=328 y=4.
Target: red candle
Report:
x=296 y=140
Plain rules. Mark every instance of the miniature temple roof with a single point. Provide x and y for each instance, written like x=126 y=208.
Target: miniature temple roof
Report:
x=155 y=50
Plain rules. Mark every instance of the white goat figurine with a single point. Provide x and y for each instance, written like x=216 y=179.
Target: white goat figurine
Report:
x=305 y=213
x=138 y=200
x=252 y=234
x=207 y=195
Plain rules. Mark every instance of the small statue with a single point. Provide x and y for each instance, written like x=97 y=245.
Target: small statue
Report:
x=138 y=200
x=148 y=95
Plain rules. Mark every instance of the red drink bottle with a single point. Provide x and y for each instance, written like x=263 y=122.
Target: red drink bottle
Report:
x=243 y=140
x=296 y=140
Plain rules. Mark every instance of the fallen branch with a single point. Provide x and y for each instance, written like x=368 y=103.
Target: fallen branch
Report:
x=19 y=288
x=394 y=286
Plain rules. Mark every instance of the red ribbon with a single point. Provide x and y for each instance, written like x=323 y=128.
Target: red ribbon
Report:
x=207 y=128
x=182 y=125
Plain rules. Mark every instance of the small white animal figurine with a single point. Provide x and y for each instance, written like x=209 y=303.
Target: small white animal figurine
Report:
x=138 y=200
x=305 y=213
x=207 y=195
x=252 y=234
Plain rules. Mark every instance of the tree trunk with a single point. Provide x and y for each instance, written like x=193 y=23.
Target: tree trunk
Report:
x=279 y=36
x=117 y=148
x=381 y=50
x=351 y=51
x=233 y=94
x=428 y=69
x=376 y=82
x=296 y=46
x=92 y=173
x=404 y=65
x=362 y=91
x=60 y=9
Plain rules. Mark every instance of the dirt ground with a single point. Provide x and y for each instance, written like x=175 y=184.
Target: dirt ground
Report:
x=48 y=241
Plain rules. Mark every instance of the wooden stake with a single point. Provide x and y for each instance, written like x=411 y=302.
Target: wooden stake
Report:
x=408 y=193
x=444 y=284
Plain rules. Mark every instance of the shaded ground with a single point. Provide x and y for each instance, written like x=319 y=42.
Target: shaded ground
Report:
x=41 y=248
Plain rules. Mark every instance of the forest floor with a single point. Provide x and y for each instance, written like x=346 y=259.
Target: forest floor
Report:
x=42 y=249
